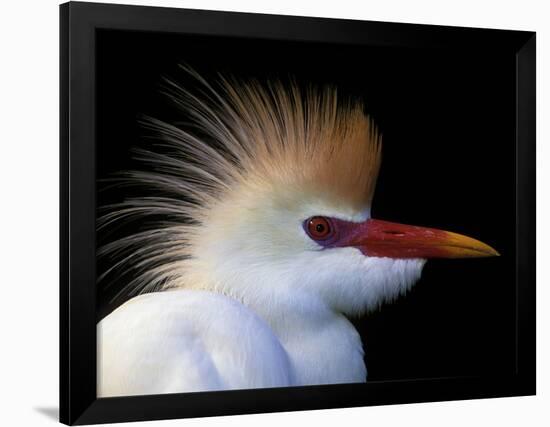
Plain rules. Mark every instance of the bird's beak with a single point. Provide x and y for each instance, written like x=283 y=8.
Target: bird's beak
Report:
x=392 y=240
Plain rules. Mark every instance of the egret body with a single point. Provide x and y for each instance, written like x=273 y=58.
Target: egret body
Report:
x=266 y=250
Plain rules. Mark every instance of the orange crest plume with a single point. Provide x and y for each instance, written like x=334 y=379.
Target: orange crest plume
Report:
x=307 y=140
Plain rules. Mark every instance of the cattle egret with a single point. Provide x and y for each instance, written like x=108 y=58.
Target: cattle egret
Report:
x=264 y=247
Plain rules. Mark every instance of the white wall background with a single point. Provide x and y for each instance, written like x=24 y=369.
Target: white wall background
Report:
x=29 y=209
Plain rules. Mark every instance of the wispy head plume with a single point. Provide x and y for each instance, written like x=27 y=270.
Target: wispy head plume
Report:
x=235 y=134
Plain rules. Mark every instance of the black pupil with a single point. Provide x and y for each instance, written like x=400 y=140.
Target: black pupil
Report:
x=320 y=228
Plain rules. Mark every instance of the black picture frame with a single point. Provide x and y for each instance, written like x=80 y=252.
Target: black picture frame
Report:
x=78 y=25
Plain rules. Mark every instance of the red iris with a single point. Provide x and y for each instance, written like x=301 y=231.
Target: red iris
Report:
x=319 y=228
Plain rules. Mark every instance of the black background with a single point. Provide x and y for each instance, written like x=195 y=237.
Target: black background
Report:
x=447 y=117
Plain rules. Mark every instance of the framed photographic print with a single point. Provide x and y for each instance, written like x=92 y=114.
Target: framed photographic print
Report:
x=272 y=213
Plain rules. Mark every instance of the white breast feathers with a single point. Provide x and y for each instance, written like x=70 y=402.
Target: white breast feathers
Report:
x=187 y=341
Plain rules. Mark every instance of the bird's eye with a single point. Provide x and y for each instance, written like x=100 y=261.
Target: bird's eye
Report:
x=319 y=228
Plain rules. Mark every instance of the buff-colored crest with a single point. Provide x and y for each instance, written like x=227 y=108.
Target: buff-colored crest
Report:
x=310 y=140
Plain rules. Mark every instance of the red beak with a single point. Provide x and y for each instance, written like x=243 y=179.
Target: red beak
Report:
x=392 y=240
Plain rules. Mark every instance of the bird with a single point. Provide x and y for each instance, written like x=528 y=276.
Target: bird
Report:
x=259 y=244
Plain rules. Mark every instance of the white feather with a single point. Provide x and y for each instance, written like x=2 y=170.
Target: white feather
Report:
x=183 y=341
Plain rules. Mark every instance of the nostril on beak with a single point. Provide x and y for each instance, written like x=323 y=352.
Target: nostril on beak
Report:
x=394 y=233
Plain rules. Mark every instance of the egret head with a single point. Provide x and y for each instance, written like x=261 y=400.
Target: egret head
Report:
x=271 y=198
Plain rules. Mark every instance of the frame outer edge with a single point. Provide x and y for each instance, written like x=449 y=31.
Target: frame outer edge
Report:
x=64 y=89
x=77 y=265
x=78 y=402
x=526 y=215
